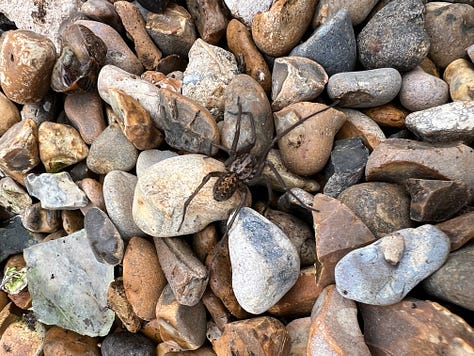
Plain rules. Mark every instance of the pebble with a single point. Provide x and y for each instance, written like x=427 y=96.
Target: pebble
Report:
x=10 y=114
x=157 y=6
x=388 y=115
x=470 y=52
x=37 y=219
x=72 y=220
x=149 y=157
x=358 y=10
x=279 y=29
x=85 y=112
x=383 y=207
x=298 y=332
x=56 y=191
x=209 y=71
x=104 y=238
x=102 y=11
x=459 y=229
x=346 y=165
x=93 y=190
x=296 y=79
x=47 y=109
x=209 y=18
x=13 y=197
x=241 y=44
x=60 y=146
x=306 y=149
x=173 y=30
x=334 y=326
x=22 y=338
x=254 y=335
x=449 y=23
x=78 y=301
x=421 y=90
x=369 y=276
x=394 y=37
x=360 y=125
x=332 y=45
x=118 y=190
x=435 y=200
x=26 y=62
x=219 y=314
x=459 y=74
x=118 y=302
x=365 y=89
x=124 y=342
x=399 y=159
x=454 y=279
x=14 y=237
x=338 y=231
x=272 y=255
x=245 y=11
x=111 y=151
x=134 y=24
x=428 y=326
x=59 y=341
x=161 y=192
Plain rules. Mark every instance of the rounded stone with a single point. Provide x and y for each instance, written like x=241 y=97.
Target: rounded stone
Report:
x=459 y=75
x=59 y=341
x=394 y=37
x=149 y=157
x=10 y=114
x=124 y=342
x=365 y=89
x=26 y=64
x=421 y=90
x=358 y=10
x=102 y=11
x=265 y=264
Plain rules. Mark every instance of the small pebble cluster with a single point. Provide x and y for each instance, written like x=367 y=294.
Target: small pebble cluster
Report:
x=112 y=115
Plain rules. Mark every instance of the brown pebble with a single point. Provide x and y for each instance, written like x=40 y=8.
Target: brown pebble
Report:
x=219 y=314
x=118 y=302
x=243 y=47
x=93 y=190
x=103 y=11
x=387 y=115
x=10 y=114
x=204 y=241
x=73 y=220
x=26 y=63
x=8 y=313
x=460 y=229
x=59 y=341
x=20 y=339
x=459 y=75
x=143 y=278
x=37 y=219
x=209 y=18
x=160 y=80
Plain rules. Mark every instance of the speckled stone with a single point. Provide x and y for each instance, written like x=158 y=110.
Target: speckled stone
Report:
x=13 y=197
x=126 y=342
x=59 y=341
x=245 y=11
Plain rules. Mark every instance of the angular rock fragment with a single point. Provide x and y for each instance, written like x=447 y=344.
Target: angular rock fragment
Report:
x=118 y=302
x=13 y=197
x=460 y=229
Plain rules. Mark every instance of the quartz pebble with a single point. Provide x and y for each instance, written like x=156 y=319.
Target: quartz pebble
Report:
x=368 y=276
x=263 y=269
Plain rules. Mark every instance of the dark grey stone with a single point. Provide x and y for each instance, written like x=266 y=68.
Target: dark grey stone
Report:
x=346 y=165
x=14 y=237
x=333 y=44
x=127 y=344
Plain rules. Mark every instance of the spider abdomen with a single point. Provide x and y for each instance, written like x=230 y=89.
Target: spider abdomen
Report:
x=245 y=166
x=225 y=186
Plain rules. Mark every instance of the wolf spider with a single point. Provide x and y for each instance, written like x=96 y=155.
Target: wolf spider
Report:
x=243 y=168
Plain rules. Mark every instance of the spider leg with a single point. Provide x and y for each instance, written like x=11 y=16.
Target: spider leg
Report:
x=238 y=128
x=288 y=190
x=236 y=211
x=196 y=191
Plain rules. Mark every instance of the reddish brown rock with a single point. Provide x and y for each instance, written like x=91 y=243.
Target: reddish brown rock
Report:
x=8 y=314
x=263 y=336
x=243 y=47
x=26 y=63
x=23 y=339
x=338 y=231
x=143 y=278
x=93 y=190
x=72 y=220
x=117 y=301
x=160 y=80
x=360 y=125
x=208 y=15
x=219 y=314
x=204 y=241
x=279 y=29
x=298 y=329
x=334 y=326
x=10 y=114
x=59 y=341
x=387 y=115
x=460 y=229
x=416 y=327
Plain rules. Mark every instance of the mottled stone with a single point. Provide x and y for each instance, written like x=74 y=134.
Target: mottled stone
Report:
x=388 y=115
x=78 y=301
x=332 y=45
x=245 y=11
x=365 y=89
x=306 y=149
x=296 y=79
x=264 y=336
x=394 y=37
x=460 y=229
x=22 y=338
x=279 y=29
x=181 y=326
x=369 y=275
x=111 y=151
x=334 y=326
x=459 y=74
x=173 y=30
x=118 y=302
x=47 y=109
x=421 y=90
x=358 y=10
x=346 y=165
x=124 y=342
x=383 y=207
x=162 y=191
x=10 y=114
x=14 y=237
x=59 y=341
x=298 y=332
x=241 y=44
x=263 y=269
x=37 y=219
x=209 y=18
x=172 y=81
x=452 y=24
x=396 y=160
x=13 y=197
x=72 y=221
x=415 y=327
x=186 y=275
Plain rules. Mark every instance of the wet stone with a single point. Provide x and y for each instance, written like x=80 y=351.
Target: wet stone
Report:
x=13 y=197
x=111 y=151
x=453 y=281
x=56 y=191
x=296 y=79
x=117 y=301
x=346 y=165
x=14 y=237
x=365 y=89
x=59 y=341
x=444 y=123
x=104 y=238
x=79 y=300
x=460 y=229
x=209 y=18
x=10 y=114
x=245 y=11
x=36 y=219
x=263 y=269
x=332 y=45
x=383 y=207
x=435 y=200
x=421 y=90
x=369 y=276
x=358 y=10
x=125 y=342
x=394 y=37
x=459 y=74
